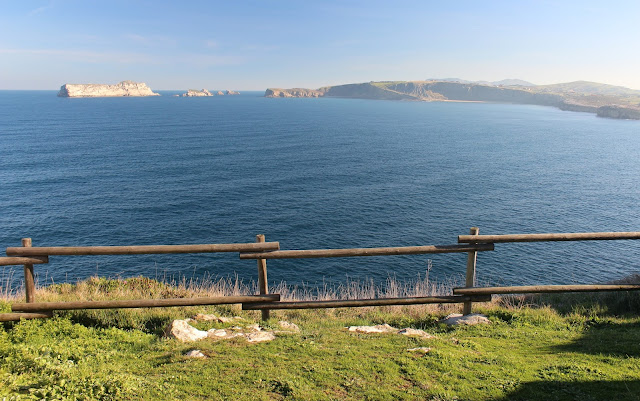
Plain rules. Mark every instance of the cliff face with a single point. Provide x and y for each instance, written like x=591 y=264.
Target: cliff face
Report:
x=124 y=88
x=626 y=113
x=604 y=106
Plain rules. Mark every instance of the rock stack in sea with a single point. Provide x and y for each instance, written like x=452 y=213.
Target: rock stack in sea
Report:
x=124 y=88
x=197 y=93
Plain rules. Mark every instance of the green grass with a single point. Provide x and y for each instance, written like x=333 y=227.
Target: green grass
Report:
x=587 y=351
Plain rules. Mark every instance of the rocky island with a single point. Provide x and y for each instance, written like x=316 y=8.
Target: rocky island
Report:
x=124 y=88
x=196 y=93
x=604 y=100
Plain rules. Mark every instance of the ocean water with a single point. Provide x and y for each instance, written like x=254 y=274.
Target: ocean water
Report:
x=315 y=173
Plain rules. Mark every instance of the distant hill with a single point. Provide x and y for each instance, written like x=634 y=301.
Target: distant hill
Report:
x=589 y=88
x=504 y=82
x=602 y=99
x=513 y=82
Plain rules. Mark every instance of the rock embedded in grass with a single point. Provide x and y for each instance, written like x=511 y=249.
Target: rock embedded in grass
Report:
x=455 y=319
x=183 y=331
x=195 y=353
x=381 y=328
x=421 y=350
x=288 y=327
x=409 y=332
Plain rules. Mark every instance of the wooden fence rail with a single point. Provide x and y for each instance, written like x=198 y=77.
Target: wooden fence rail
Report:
x=261 y=250
x=348 y=252
x=484 y=239
x=140 y=249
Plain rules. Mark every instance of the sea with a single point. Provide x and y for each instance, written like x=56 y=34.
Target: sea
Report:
x=315 y=174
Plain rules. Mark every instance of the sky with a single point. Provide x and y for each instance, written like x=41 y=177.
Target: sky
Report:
x=253 y=45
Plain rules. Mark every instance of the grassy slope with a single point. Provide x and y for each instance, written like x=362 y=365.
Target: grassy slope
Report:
x=531 y=353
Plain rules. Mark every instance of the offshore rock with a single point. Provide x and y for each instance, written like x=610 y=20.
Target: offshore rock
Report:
x=295 y=92
x=122 y=89
x=232 y=93
x=197 y=93
x=220 y=93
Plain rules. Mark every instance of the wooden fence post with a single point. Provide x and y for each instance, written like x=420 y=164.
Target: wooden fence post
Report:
x=470 y=280
x=29 y=282
x=262 y=277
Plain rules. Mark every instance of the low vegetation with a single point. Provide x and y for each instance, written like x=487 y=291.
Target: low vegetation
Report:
x=536 y=348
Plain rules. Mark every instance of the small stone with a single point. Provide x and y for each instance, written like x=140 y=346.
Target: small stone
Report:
x=223 y=319
x=381 y=328
x=201 y=316
x=218 y=334
x=254 y=327
x=287 y=326
x=422 y=350
x=468 y=320
x=260 y=337
x=195 y=353
x=414 y=333
x=183 y=331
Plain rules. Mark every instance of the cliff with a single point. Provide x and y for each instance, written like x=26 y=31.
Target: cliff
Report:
x=197 y=93
x=626 y=113
x=295 y=92
x=619 y=106
x=124 y=88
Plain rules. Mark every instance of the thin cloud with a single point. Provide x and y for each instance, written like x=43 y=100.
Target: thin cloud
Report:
x=211 y=44
x=154 y=40
x=83 y=56
x=40 y=10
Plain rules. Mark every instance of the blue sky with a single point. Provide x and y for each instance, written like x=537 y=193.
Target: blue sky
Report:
x=252 y=45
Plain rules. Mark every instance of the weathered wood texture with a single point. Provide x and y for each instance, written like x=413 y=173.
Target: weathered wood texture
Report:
x=338 y=253
x=29 y=279
x=16 y=260
x=14 y=317
x=470 y=278
x=485 y=239
x=262 y=277
x=141 y=249
x=143 y=303
x=354 y=303
x=527 y=289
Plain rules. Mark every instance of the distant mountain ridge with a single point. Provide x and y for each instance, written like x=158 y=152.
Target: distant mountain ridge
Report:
x=603 y=99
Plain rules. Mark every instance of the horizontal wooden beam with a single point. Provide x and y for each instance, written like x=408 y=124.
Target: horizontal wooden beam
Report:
x=485 y=239
x=531 y=289
x=355 y=303
x=338 y=253
x=143 y=303
x=14 y=317
x=33 y=260
x=141 y=249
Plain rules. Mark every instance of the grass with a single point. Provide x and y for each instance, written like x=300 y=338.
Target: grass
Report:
x=538 y=348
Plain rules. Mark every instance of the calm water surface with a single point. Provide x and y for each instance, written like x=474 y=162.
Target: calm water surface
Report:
x=316 y=173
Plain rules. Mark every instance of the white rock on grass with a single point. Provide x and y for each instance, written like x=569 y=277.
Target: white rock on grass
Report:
x=259 y=337
x=421 y=350
x=205 y=317
x=183 y=331
x=195 y=353
x=234 y=319
x=409 y=332
x=469 y=320
x=254 y=327
x=381 y=328
x=288 y=327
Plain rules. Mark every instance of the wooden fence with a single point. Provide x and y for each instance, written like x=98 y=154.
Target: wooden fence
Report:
x=261 y=251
